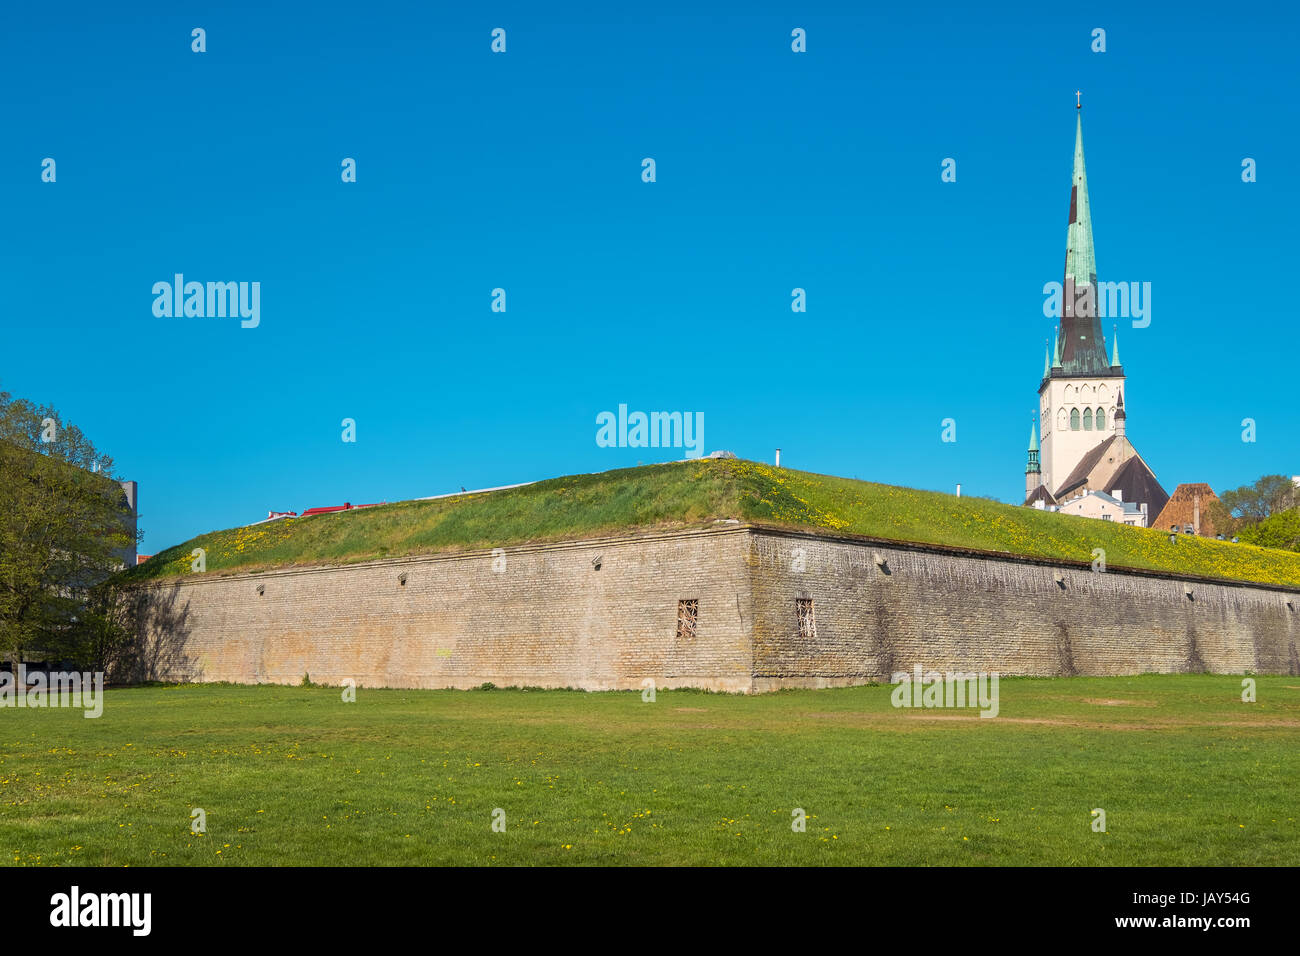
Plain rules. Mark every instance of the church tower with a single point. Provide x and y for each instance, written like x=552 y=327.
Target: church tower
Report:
x=1080 y=385
x=1084 y=446
x=1033 y=471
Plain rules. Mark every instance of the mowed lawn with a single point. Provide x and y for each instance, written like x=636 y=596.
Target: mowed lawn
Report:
x=1186 y=772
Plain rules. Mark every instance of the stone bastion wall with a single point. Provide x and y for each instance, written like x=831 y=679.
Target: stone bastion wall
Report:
x=774 y=609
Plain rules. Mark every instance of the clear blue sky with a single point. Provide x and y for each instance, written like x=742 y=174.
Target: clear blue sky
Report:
x=775 y=170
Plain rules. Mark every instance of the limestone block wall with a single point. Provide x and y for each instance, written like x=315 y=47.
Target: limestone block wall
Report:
x=949 y=611
x=535 y=616
x=545 y=616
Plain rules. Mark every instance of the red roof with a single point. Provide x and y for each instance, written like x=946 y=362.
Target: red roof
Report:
x=346 y=506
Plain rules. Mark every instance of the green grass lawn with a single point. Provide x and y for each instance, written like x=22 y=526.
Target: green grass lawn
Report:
x=1186 y=772
x=698 y=493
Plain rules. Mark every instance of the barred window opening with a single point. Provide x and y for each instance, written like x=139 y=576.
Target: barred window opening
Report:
x=688 y=615
x=807 y=621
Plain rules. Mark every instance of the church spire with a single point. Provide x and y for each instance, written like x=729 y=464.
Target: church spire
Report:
x=1033 y=470
x=1083 y=347
x=1114 y=342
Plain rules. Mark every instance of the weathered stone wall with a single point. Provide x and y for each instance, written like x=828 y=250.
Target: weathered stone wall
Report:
x=547 y=618
x=948 y=611
x=550 y=619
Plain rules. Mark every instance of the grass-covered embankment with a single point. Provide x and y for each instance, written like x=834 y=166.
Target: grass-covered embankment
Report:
x=697 y=493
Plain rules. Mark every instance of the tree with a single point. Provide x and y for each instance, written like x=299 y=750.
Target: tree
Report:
x=103 y=638
x=1254 y=503
x=1279 y=530
x=63 y=522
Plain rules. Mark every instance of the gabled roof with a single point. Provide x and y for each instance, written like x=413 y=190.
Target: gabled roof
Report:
x=1041 y=494
x=1138 y=485
x=1115 y=464
x=1180 y=510
x=1079 y=477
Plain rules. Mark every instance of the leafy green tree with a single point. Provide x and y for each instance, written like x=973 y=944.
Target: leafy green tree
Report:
x=1254 y=503
x=63 y=523
x=103 y=638
x=1279 y=530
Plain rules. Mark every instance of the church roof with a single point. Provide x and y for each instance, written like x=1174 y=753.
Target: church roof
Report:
x=1115 y=464
x=1079 y=477
x=1083 y=346
x=1138 y=484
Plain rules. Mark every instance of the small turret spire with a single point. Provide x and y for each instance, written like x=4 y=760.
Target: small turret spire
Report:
x=1033 y=470
x=1047 y=361
x=1114 y=340
x=1056 y=348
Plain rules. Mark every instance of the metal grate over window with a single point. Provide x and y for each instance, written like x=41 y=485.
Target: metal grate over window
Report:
x=688 y=615
x=807 y=621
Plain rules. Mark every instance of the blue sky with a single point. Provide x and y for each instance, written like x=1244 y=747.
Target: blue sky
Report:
x=522 y=171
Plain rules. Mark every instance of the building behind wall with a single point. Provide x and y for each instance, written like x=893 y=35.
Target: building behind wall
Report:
x=1189 y=511
x=131 y=491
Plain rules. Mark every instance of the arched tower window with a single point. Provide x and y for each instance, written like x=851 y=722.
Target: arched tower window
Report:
x=1074 y=419
x=1087 y=419
x=1101 y=419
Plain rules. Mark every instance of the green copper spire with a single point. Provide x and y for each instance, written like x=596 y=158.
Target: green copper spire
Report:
x=1056 y=348
x=1047 y=361
x=1083 y=347
x=1033 y=438
x=1080 y=257
x=1114 y=344
x=1033 y=467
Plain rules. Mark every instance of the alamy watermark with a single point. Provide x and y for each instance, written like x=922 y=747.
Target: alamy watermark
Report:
x=952 y=689
x=75 y=908
x=56 y=689
x=653 y=430
x=1106 y=300
x=213 y=300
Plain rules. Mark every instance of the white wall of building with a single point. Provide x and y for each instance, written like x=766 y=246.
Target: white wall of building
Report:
x=1062 y=446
